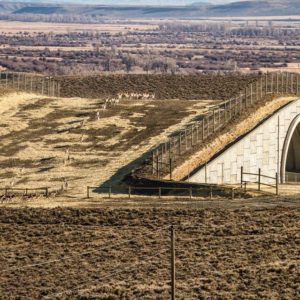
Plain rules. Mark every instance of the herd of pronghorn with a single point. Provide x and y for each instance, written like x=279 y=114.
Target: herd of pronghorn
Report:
x=109 y=102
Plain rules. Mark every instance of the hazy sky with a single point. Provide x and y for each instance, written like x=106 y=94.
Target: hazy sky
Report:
x=131 y=2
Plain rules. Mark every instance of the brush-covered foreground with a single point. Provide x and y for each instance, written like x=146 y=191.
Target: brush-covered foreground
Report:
x=242 y=253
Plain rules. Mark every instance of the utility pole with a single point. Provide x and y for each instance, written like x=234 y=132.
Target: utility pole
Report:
x=172 y=229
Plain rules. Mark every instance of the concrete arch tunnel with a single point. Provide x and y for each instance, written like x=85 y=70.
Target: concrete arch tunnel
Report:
x=272 y=146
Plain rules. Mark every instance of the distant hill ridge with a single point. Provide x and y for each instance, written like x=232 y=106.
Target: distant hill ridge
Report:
x=201 y=9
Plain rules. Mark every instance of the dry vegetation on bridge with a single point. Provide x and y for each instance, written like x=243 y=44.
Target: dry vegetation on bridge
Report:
x=214 y=87
x=49 y=141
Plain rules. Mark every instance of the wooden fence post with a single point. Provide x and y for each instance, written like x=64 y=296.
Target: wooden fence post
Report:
x=88 y=192
x=232 y=193
x=170 y=165
x=157 y=166
x=261 y=88
x=129 y=191
x=153 y=163
x=191 y=192
x=179 y=145
x=277 y=184
x=242 y=179
x=18 y=81
x=159 y=192
x=109 y=192
x=259 y=178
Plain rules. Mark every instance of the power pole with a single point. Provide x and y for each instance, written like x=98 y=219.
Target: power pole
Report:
x=172 y=262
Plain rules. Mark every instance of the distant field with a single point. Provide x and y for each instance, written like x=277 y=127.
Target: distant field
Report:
x=15 y=27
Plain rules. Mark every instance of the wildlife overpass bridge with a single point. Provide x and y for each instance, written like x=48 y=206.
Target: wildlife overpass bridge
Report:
x=272 y=147
x=210 y=151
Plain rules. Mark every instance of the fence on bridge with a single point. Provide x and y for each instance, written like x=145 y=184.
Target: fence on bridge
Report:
x=44 y=85
x=166 y=154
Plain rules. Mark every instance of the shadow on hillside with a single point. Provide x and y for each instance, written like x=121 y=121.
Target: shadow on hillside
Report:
x=117 y=180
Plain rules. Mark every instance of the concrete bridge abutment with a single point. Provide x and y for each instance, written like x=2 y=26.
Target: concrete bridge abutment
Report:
x=272 y=146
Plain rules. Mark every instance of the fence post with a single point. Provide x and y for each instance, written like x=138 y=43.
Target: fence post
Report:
x=232 y=193
x=277 y=184
x=191 y=192
x=31 y=84
x=18 y=81
x=157 y=165
x=173 y=263
x=211 y=192
x=153 y=163
x=109 y=192
x=242 y=179
x=159 y=193
x=170 y=168
x=46 y=191
x=43 y=86
x=129 y=191
x=179 y=145
x=88 y=192
x=261 y=87
x=259 y=178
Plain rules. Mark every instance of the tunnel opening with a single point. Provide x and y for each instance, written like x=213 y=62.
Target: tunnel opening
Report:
x=292 y=166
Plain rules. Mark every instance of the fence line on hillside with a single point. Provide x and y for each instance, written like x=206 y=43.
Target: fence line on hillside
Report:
x=164 y=156
x=24 y=191
x=44 y=85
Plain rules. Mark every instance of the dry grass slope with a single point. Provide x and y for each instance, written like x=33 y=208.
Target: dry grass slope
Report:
x=53 y=141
